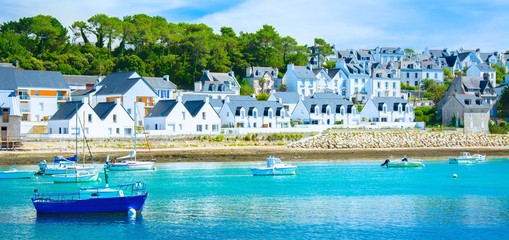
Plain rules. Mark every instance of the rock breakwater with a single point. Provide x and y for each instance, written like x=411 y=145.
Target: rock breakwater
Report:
x=400 y=139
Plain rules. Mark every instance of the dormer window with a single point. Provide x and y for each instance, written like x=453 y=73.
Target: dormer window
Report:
x=255 y=113
x=242 y=113
x=468 y=101
x=317 y=110
x=384 y=109
x=478 y=102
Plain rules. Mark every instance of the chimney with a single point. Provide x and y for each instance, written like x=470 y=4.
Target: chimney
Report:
x=227 y=99
x=179 y=97
x=249 y=71
x=166 y=78
x=280 y=100
x=207 y=99
x=289 y=66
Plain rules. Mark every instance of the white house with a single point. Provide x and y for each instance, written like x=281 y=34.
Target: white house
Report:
x=326 y=111
x=253 y=114
x=383 y=83
x=115 y=121
x=288 y=99
x=263 y=79
x=217 y=85
x=357 y=76
x=480 y=69
x=387 y=109
x=127 y=88
x=164 y=88
x=301 y=79
x=177 y=117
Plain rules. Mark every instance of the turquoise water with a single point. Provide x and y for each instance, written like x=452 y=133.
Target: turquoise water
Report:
x=325 y=200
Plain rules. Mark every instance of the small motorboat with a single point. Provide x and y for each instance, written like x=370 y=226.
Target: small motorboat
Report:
x=467 y=158
x=61 y=167
x=274 y=167
x=404 y=163
x=14 y=173
x=76 y=177
x=127 y=198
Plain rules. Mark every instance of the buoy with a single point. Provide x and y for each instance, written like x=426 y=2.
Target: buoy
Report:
x=131 y=212
x=455 y=175
x=154 y=168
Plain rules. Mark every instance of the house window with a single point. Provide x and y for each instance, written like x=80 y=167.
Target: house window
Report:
x=416 y=83
x=356 y=81
x=254 y=125
x=378 y=84
x=198 y=128
x=386 y=85
x=59 y=130
x=227 y=114
x=385 y=109
x=255 y=113
x=407 y=75
x=206 y=127
x=114 y=118
x=415 y=75
x=270 y=114
x=5 y=115
x=89 y=118
x=242 y=113
x=399 y=108
x=394 y=85
x=215 y=128
x=204 y=115
x=66 y=131
x=36 y=93
x=282 y=114
x=436 y=75
x=183 y=115
x=139 y=99
x=155 y=126
x=427 y=75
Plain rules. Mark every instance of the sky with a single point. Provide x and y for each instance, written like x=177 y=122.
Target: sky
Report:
x=347 y=24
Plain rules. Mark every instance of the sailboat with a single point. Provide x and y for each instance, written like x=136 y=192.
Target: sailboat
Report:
x=74 y=175
x=129 y=162
x=62 y=165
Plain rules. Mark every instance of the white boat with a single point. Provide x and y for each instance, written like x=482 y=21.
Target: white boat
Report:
x=403 y=163
x=129 y=162
x=467 y=158
x=76 y=177
x=14 y=173
x=274 y=167
x=62 y=167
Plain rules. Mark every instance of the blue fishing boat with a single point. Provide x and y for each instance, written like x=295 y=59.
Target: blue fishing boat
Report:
x=127 y=198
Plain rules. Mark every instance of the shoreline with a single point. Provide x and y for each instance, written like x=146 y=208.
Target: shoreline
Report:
x=255 y=153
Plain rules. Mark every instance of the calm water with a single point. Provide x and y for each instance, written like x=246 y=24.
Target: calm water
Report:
x=326 y=200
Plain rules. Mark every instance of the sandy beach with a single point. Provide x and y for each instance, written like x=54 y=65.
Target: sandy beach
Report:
x=24 y=156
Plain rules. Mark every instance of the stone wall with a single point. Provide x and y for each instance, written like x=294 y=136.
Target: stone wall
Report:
x=400 y=139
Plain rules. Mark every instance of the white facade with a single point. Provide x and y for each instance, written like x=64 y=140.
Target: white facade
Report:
x=387 y=110
x=326 y=112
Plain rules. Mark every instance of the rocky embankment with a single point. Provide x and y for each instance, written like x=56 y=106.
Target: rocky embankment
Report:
x=400 y=139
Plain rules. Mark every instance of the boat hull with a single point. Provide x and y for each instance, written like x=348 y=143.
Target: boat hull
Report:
x=290 y=170
x=75 y=178
x=16 y=174
x=463 y=160
x=90 y=205
x=130 y=166
x=404 y=164
x=56 y=169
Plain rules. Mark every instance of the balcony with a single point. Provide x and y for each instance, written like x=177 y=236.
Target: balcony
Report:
x=24 y=97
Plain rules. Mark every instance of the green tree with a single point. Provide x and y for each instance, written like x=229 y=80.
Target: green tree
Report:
x=245 y=88
x=500 y=71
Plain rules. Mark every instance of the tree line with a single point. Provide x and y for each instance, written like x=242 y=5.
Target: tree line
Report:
x=148 y=44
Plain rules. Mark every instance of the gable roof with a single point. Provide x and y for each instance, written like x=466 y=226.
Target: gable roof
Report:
x=119 y=83
x=389 y=101
x=80 y=79
x=287 y=97
x=162 y=108
x=160 y=83
x=103 y=109
x=260 y=106
x=67 y=110
x=483 y=67
x=471 y=102
x=11 y=79
x=194 y=107
x=303 y=72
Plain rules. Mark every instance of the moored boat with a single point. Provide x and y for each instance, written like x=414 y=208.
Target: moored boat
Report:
x=404 y=163
x=62 y=167
x=14 y=173
x=127 y=198
x=467 y=158
x=128 y=163
x=274 y=167
x=76 y=177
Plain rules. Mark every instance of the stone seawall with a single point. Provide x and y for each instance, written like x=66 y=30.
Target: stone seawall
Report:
x=400 y=139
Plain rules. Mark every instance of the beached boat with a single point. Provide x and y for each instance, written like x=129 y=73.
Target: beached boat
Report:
x=14 y=173
x=76 y=177
x=467 y=158
x=274 y=167
x=404 y=163
x=129 y=162
x=127 y=198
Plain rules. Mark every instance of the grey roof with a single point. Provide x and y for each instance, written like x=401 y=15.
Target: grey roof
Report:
x=322 y=103
x=451 y=60
x=11 y=79
x=162 y=108
x=216 y=87
x=119 y=83
x=303 y=72
x=471 y=83
x=240 y=98
x=485 y=67
x=326 y=96
x=103 y=109
x=389 y=101
x=260 y=106
x=67 y=110
x=80 y=79
x=8 y=99
x=160 y=83
x=194 y=107
x=472 y=102
x=262 y=71
x=77 y=93
x=333 y=72
x=287 y=97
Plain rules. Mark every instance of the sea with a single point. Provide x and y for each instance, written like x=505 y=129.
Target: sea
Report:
x=325 y=200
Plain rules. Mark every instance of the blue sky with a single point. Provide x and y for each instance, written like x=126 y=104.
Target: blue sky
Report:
x=436 y=24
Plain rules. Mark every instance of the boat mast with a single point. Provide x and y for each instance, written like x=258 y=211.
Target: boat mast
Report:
x=134 y=130
x=76 y=133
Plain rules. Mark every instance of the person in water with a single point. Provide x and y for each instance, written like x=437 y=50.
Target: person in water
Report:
x=404 y=159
